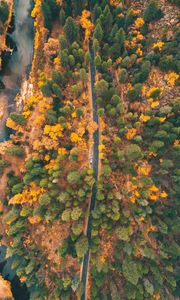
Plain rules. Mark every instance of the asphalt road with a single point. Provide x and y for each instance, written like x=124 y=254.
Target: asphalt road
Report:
x=95 y=168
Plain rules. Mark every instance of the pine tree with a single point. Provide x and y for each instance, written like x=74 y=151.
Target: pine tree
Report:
x=71 y=30
x=98 y=33
x=62 y=17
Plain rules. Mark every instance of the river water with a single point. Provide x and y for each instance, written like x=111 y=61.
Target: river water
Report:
x=16 y=65
x=15 y=71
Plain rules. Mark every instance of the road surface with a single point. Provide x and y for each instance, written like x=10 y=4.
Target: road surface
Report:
x=95 y=160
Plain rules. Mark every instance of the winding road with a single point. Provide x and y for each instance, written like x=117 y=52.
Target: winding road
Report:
x=95 y=161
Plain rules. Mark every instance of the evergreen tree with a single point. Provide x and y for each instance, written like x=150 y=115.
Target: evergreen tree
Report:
x=77 y=7
x=152 y=12
x=71 y=30
x=62 y=17
x=4 y=11
x=98 y=32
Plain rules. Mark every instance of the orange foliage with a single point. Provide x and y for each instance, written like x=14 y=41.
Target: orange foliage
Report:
x=86 y=24
x=171 y=78
x=54 y=131
x=144 y=118
x=13 y=125
x=139 y=22
x=131 y=133
x=29 y=195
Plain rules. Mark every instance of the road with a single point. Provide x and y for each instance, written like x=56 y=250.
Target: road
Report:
x=85 y=263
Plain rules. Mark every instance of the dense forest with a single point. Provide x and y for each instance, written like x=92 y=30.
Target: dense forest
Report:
x=90 y=171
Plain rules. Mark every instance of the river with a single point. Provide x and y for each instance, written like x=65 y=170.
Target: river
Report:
x=16 y=64
x=15 y=71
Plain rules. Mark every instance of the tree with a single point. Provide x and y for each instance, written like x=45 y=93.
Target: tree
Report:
x=62 y=17
x=58 y=77
x=135 y=92
x=71 y=30
x=97 y=61
x=15 y=151
x=152 y=12
x=108 y=19
x=118 y=45
x=46 y=88
x=77 y=7
x=81 y=246
x=97 y=12
x=133 y=152
x=83 y=75
x=123 y=75
x=76 y=213
x=130 y=272
x=98 y=32
x=4 y=11
x=77 y=228
x=73 y=177
x=63 y=42
x=18 y=118
x=101 y=87
x=3 y=164
x=50 y=11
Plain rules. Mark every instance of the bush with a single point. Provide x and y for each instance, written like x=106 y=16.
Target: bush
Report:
x=152 y=12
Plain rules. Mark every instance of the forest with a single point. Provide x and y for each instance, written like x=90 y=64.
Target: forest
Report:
x=90 y=158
